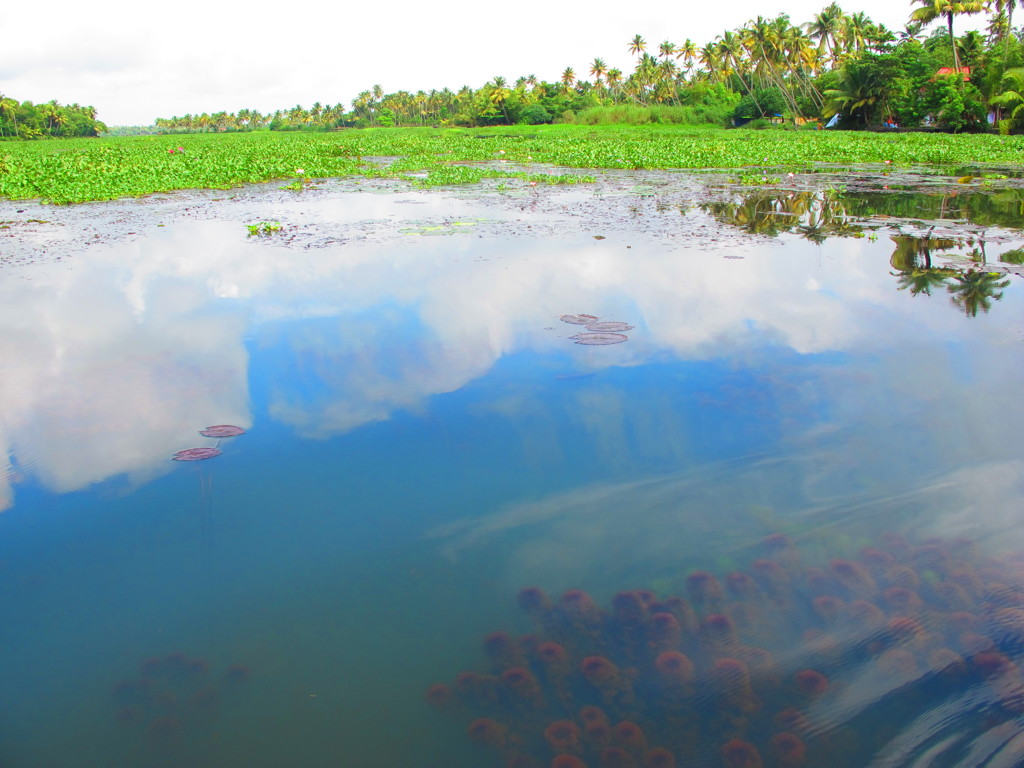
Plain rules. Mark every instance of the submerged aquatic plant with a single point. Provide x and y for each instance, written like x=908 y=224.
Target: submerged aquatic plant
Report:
x=174 y=698
x=784 y=664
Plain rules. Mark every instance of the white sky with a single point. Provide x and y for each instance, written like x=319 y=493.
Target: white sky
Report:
x=135 y=62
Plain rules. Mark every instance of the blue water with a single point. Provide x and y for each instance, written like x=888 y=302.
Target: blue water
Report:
x=423 y=440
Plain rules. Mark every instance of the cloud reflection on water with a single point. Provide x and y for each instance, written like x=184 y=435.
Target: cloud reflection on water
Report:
x=113 y=365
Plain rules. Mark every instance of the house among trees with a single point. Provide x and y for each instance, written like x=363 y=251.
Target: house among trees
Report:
x=946 y=71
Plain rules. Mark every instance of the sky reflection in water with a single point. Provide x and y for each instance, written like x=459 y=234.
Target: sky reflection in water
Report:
x=424 y=440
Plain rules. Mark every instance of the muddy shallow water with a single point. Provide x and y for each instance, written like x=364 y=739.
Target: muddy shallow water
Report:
x=816 y=389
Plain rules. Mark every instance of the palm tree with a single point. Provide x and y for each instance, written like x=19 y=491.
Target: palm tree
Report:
x=598 y=69
x=1012 y=95
x=688 y=53
x=614 y=77
x=911 y=32
x=710 y=59
x=857 y=28
x=666 y=49
x=1002 y=23
x=859 y=89
x=9 y=107
x=825 y=28
x=637 y=45
x=500 y=95
x=971 y=47
x=568 y=78
x=933 y=9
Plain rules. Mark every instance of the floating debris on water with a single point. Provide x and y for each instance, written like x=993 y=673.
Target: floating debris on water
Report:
x=610 y=325
x=196 y=454
x=786 y=663
x=599 y=339
x=578 y=319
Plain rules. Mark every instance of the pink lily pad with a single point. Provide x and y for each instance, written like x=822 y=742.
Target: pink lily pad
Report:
x=577 y=319
x=222 y=430
x=599 y=338
x=610 y=325
x=195 y=454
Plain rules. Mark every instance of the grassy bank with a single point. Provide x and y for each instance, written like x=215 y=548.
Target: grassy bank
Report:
x=77 y=170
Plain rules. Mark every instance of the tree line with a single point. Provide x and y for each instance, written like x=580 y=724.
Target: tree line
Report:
x=25 y=120
x=770 y=69
x=837 y=63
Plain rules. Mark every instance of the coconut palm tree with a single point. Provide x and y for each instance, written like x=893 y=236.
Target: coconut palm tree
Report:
x=826 y=27
x=947 y=9
x=637 y=45
x=912 y=31
x=860 y=89
x=1012 y=96
x=9 y=107
x=598 y=69
x=568 y=78
x=1002 y=23
x=688 y=53
x=710 y=60
x=614 y=78
x=971 y=47
x=857 y=30
x=499 y=96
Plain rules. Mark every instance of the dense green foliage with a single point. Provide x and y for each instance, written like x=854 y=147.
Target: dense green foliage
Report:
x=76 y=170
x=25 y=120
x=836 y=63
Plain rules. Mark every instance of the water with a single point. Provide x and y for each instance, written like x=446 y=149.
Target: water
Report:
x=424 y=440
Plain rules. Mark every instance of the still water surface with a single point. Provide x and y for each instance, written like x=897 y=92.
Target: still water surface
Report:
x=424 y=440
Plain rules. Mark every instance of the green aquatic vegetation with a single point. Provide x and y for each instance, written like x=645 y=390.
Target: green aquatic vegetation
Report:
x=431 y=229
x=78 y=170
x=261 y=228
x=755 y=178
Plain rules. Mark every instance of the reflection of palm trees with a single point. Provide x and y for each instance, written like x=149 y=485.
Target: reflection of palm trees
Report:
x=913 y=252
x=813 y=215
x=1014 y=256
x=919 y=281
x=973 y=290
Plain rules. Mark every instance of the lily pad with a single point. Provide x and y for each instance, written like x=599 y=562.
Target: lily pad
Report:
x=195 y=454
x=599 y=339
x=578 y=319
x=610 y=325
x=222 y=430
